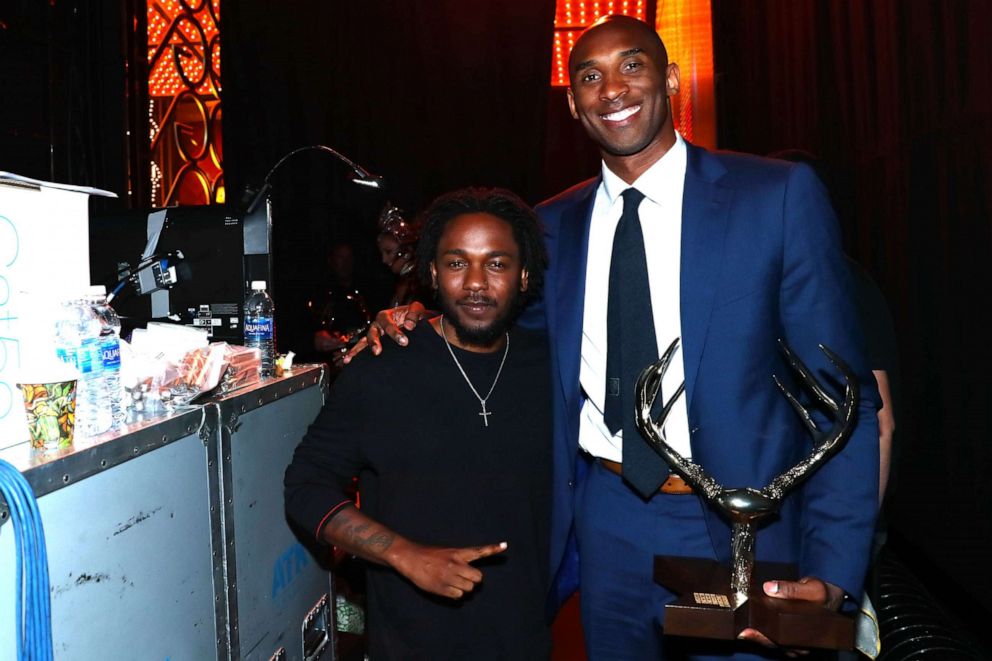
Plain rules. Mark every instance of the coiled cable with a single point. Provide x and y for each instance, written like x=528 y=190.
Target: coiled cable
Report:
x=34 y=605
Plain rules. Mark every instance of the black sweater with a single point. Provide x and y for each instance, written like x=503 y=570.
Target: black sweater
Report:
x=408 y=426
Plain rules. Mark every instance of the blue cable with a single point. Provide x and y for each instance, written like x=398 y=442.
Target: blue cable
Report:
x=34 y=605
x=33 y=601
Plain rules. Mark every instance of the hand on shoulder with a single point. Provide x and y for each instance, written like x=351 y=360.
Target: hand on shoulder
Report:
x=390 y=323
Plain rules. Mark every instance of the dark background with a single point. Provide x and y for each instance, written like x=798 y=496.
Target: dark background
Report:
x=895 y=96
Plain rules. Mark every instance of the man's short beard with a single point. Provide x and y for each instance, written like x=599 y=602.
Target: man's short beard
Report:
x=485 y=336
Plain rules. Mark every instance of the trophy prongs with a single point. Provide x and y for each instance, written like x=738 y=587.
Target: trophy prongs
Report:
x=807 y=376
x=745 y=507
x=645 y=393
x=671 y=402
x=825 y=444
x=797 y=407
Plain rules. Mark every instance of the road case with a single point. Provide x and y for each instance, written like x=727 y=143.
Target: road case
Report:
x=278 y=592
x=167 y=539
x=127 y=526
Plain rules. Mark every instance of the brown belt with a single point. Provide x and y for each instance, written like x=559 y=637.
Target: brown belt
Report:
x=674 y=485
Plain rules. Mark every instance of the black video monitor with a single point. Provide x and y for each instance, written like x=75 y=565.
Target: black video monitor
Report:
x=194 y=274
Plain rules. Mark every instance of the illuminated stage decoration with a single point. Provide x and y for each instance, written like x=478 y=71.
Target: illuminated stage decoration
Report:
x=572 y=16
x=686 y=28
x=184 y=102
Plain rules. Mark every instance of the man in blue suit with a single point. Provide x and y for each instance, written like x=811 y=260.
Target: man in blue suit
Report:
x=740 y=251
x=730 y=253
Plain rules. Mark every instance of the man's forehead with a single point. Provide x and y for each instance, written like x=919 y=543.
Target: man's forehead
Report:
x=477 y=227
x=610 y=40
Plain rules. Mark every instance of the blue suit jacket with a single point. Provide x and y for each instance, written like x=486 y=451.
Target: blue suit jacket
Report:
x=761 y=260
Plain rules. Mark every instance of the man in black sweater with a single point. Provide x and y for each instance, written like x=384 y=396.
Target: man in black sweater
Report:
x=464 y=496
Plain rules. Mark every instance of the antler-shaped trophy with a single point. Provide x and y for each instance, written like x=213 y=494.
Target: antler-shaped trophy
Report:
x=745 y=507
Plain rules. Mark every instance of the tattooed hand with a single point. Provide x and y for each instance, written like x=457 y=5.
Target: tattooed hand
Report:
x=442 y=571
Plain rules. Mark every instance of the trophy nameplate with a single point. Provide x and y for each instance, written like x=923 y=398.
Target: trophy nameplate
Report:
x=718 y=601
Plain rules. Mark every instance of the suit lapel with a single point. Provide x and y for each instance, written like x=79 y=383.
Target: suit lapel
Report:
x=705 y=210
x=572 y=249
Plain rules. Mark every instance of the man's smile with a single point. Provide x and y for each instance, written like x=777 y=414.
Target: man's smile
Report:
x=476 y=306
x=623 y=114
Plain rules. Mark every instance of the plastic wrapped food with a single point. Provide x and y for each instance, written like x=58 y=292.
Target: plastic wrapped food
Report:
x=217 y=366
x=242 y=367
x=201 y=369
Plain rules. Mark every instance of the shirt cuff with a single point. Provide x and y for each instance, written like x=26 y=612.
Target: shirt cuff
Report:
x=327 y=517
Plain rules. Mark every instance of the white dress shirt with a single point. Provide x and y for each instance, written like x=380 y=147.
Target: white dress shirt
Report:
x=661 y=223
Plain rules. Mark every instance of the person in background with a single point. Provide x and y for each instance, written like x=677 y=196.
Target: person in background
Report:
x=397 y=242
x=339 y=312
x=882 y=354
x=881 y=344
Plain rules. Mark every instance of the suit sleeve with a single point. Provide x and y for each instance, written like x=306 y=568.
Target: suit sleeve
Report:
x=818 y=306
x=319 y=481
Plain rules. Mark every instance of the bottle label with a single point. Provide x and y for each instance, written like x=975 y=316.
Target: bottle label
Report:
x=259 y=328
x=111 y=355
x=66 y=355
x=88 y=357
x=82 y=358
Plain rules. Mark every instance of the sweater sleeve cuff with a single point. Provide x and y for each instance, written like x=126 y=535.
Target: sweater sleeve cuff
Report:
x=327 y=517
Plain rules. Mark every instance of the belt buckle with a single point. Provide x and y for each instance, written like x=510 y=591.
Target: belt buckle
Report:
x=675 y=485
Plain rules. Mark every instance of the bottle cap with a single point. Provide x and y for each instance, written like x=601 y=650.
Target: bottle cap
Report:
x=257 y=285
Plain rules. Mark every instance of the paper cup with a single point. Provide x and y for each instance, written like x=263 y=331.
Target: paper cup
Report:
x=51 y=412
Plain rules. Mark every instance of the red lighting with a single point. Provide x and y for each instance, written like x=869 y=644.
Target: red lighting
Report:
x=572 y=16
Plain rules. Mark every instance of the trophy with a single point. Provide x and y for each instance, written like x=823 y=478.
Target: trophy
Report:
x=719 y=602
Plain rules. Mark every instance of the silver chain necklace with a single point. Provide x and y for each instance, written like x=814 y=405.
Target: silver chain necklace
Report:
x=482 y=400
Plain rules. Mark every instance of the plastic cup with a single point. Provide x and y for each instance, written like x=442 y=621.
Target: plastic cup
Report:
x=51 y=413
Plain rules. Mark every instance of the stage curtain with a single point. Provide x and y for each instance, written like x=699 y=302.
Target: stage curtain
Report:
x=896 y=97
x=432 y=94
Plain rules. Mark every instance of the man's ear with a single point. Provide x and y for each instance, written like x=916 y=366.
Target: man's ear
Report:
x=523 y=280
x=571 y=102
x=433 y=276
x=672 y=79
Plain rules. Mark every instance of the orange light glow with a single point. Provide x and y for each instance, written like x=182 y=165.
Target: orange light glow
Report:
x=686 y=27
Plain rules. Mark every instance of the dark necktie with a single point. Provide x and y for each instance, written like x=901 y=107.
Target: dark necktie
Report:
x=630 y=346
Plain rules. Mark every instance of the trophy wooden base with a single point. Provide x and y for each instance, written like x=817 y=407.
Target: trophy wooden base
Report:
x=703 y=608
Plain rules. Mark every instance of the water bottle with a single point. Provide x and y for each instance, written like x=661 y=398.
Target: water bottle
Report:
x=110 y=348
x=260 y=325
x=77 y=333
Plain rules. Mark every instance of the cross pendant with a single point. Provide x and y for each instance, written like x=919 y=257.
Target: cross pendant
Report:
x=485 y=414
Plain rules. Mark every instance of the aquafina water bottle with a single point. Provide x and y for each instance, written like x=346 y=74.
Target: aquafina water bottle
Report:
x=260 y=330
x=110 y=348
x=77 y=335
